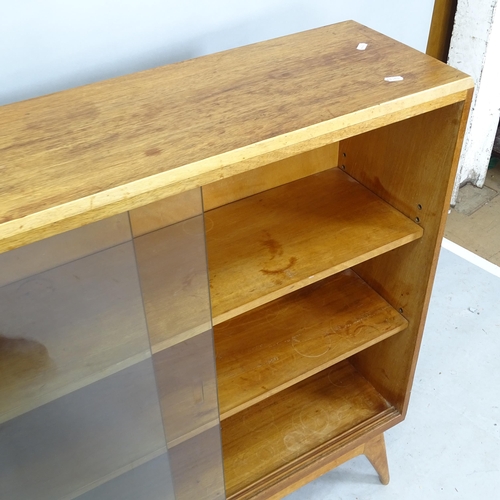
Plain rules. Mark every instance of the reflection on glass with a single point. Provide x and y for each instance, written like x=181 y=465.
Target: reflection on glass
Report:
x=69 y=326
x=150 y=481
x=197 y=467
x=79 y=441
x=87 y=410
x=187 y=387
x=79 y=408
x=63 y=248
x=174 y=278
x=173 y=270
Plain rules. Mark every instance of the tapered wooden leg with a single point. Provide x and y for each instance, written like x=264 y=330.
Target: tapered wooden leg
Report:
x=375 y=452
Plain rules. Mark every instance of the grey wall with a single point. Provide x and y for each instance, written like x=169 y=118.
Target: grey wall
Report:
x=51 y=45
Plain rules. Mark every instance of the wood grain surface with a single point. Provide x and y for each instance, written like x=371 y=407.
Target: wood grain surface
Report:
x=283 y=429
x=404 y=276
x=374 y=447
x=266 y=350
x=443 y=17
x=84 y=154
x=265 y=246
x=240 y=186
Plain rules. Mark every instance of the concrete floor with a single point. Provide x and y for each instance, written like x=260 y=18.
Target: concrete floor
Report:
x=474 y=223
x=449 y=445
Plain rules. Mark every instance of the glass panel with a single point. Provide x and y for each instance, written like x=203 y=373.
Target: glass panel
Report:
x=79 y=407
x=63 y=248
x=146 y=482
x=174 y=278
x=197 y=467
x=84 y=439
x=173 y=269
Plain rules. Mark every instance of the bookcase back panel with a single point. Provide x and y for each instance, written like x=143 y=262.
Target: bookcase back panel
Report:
x=275 y=174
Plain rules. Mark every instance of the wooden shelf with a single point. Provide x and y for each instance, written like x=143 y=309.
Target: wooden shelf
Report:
x=285 y=429
x=270 y=244
x=68 y=327
x=281 y=343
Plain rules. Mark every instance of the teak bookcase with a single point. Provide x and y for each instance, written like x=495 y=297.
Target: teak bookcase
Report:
x=215 y=274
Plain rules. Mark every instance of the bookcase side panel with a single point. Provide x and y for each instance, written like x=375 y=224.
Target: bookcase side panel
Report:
x=410 y=164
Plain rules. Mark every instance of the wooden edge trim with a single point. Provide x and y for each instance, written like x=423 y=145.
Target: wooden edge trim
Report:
x=437 y=244
x=61 y=218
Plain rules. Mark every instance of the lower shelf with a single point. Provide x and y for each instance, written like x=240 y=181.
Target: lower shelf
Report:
x=296 y=426
x=273 y=347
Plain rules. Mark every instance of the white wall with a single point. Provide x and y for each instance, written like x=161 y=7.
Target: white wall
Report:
x=475 y=49
x=50 y=45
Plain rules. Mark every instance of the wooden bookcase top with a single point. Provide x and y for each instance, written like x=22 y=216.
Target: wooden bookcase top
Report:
x=84 y=154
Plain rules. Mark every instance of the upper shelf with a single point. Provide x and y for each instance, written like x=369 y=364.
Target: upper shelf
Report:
x=294 y=235
x=87 y=153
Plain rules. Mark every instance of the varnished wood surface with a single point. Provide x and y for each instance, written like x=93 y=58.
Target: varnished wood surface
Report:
x=375 y=452
x=88 y=153
x=270 y=176
x=266 y=350
x=265 y=246
x=374 y=447
x=443 y=17
x=404 y=276
x=284 y=429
